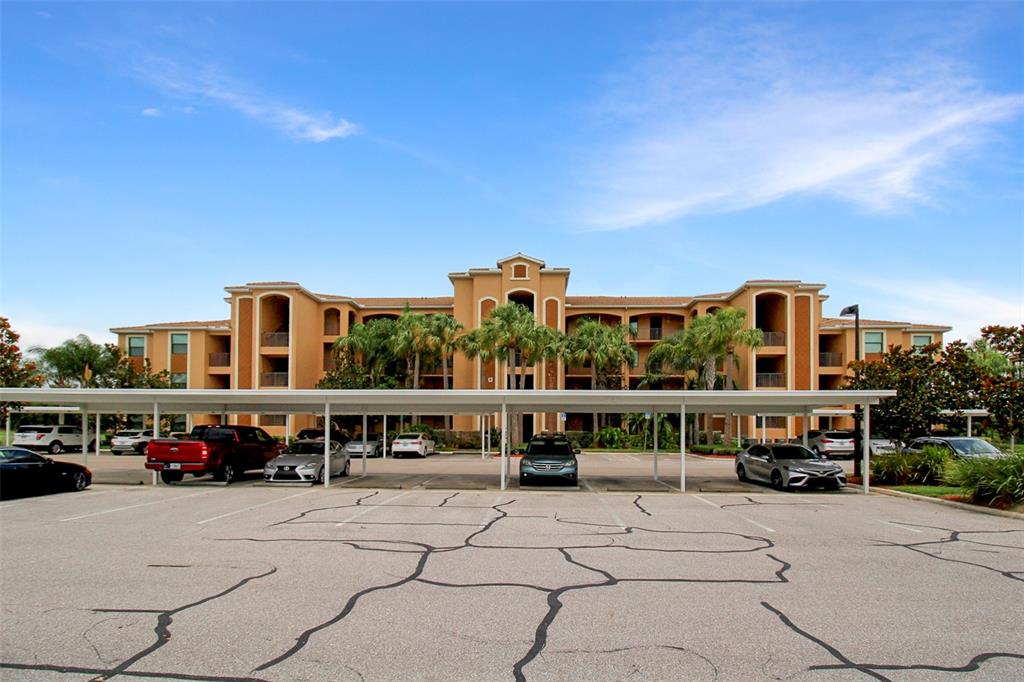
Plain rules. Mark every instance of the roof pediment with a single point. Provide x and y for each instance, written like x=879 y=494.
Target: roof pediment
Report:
x=520 y=256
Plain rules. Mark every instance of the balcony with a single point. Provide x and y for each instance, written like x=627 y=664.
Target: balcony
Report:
x=774 y=338
x=274 y=380
x=829 y=359
x=770 y=380
x=220 y=359
x=275 y=339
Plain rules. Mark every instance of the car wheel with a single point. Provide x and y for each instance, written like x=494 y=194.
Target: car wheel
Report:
x=79 y=481
x=320 y=476
x=226 y=473
x=56 y=447
x=142 y=449
x=171 y=476
x=741 y=472
x=348 y=467
x=777 y=480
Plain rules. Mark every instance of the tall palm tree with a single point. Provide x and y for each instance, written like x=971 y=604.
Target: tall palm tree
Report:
x=478 y=344
x=77 y=362
x=443 y=338
x=412 y=339
x=510 y=327
x=371 y=341
x=605 y=347
x=717 y=336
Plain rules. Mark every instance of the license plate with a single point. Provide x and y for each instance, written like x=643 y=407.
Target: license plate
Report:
x=172 y=465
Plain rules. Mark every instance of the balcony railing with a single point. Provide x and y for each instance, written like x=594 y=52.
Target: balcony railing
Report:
x=770 y=380
x=332 y=329
x=827 y=359
x=220 y=359
x=274 y=379
x=654 y=334
x=275 y=339
x=774 y=338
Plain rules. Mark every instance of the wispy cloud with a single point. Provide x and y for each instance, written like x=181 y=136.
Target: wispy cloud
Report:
x=151 y=111
x=740 y=114
x=208 y=82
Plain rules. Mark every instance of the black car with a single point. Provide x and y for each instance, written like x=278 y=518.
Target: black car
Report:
x=548 y=457
x=23 y=472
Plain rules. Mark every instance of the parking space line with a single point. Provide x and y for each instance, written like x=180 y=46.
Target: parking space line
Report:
x=255 y=506
x=370 y=508
x=912 y=530
x=57 y=498
x=135 y=506
x=759 y=525
x=604 y=502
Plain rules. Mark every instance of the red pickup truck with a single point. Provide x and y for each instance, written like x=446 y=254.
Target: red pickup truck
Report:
x=224 y=451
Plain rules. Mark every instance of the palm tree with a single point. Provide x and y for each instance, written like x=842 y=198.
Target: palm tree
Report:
x=412 y=339
x=478 y=344
x=716 y=337
x=605 y=347
x=76 y=362
x=443 y=338
x=511 y=328
x=372 y=342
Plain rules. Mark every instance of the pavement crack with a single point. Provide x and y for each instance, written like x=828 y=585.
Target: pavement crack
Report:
x=636 y=503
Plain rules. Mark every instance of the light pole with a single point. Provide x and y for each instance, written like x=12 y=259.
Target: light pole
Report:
x=854 y=310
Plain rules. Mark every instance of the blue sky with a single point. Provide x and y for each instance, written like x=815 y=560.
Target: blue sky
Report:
x=154 y=153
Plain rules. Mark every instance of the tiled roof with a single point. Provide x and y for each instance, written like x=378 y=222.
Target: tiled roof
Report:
x=272 y=284
x=627 y=300
x=194 y=324
x=399 y=301
x=848 y=322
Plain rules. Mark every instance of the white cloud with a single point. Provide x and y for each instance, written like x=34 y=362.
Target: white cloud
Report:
x=151 y=111
x=208 y=82
x=731 y=117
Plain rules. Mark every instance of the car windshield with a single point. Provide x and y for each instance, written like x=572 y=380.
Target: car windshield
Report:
x=838 y=435
x=792 y=452
x=305 y=449
x=550 y=446
x=35 y=429
x=973 y=446
x=19 y=455
x=127 y=434
x=408 y=436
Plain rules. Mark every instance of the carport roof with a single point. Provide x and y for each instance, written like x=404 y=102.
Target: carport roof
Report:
x=244 y=401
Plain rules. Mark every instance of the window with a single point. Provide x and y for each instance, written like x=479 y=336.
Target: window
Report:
x=272 y=420
x=655 y=328
x=179 y=380
x=136 y=346
x=519 y=271
x=179 y=344
x=873 y=342
x=775 y=422
x=263 y=435
x=919 y=341
x=179 y=423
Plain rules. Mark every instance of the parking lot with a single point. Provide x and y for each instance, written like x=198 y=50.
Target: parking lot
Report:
x=251 y=582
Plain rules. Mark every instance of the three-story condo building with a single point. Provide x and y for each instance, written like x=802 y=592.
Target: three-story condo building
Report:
x=280 y=335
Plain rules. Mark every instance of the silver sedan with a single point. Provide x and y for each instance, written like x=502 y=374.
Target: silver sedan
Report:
x=303 y=462
x=788 y=466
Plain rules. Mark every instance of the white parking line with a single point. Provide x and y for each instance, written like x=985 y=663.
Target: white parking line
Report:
x=634 y=458
x=586 y=484
x=370 y=508
x=58 y=498
x=912 y=530
x=135 y=506
x=255 y=506
x=759 y=525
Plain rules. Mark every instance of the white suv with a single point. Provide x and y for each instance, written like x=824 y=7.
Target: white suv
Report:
x=131 y=442
x=53 y=439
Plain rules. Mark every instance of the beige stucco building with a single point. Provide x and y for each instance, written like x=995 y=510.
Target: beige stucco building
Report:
x=280 y=335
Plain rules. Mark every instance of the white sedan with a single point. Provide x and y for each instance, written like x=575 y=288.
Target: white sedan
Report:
x=418 y=444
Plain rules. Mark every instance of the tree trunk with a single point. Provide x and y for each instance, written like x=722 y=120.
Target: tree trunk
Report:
x=444 y=384
x=729 y=416
x=709 y=385
x=593 y=387
x=512 y=386
x=416 y=378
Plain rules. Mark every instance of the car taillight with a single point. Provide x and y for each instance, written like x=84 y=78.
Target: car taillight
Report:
x=205 y=452
x=39 y=436
x=825 y=440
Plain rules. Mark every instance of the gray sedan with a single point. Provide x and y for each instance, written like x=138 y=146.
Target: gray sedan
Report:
x=788 y=466
x=303 y=462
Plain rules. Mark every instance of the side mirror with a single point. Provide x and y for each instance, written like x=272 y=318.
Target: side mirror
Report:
x=576 y=451
x=517 y=451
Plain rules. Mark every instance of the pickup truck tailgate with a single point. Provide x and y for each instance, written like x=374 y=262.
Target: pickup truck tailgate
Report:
x=171 y=450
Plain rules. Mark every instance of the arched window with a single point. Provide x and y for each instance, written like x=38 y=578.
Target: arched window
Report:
x=519 y=271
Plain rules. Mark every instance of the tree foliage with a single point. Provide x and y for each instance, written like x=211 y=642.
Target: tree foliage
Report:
x=15 y=371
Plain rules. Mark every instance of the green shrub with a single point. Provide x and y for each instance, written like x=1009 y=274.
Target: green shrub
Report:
x=701 y=449
x=423 y=428
x=580 y=439
x=726 y=450
x=927 y=467
x=611 y=437
x=989 y=480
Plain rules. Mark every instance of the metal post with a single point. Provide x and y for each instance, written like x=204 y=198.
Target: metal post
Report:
x=682 y=448
x=483 y=453
x=654 y=426
x=97 y=434
x=287 y=429
x=7 y=433
x=739 y=430
x=384 y=439
x=504 y=446
x=327 y=444
x=866 y=449
x=969 y=429
x=364 y=443
x=156 y=429
x=806 y=418
x=85 y=437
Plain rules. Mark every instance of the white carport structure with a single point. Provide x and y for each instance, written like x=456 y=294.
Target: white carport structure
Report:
x=454 y=402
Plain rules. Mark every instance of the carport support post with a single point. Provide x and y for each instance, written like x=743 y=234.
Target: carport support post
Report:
x=655 y=428
x=7 y=433
x=85 y=437
x=682 y=448
x=806 y=418
x=384 y=438
x=327 y=445
x=364 y=443
x=483 y=453
x=866 y=448
x=969 y=434
x=156 y=429
x=504 y=447
x=97 y=434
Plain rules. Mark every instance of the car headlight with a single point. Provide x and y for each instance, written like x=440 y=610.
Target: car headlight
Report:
x=795 y=470
x=270 y=467
x=310 y=465
x=526 y=462
x=573 y=462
